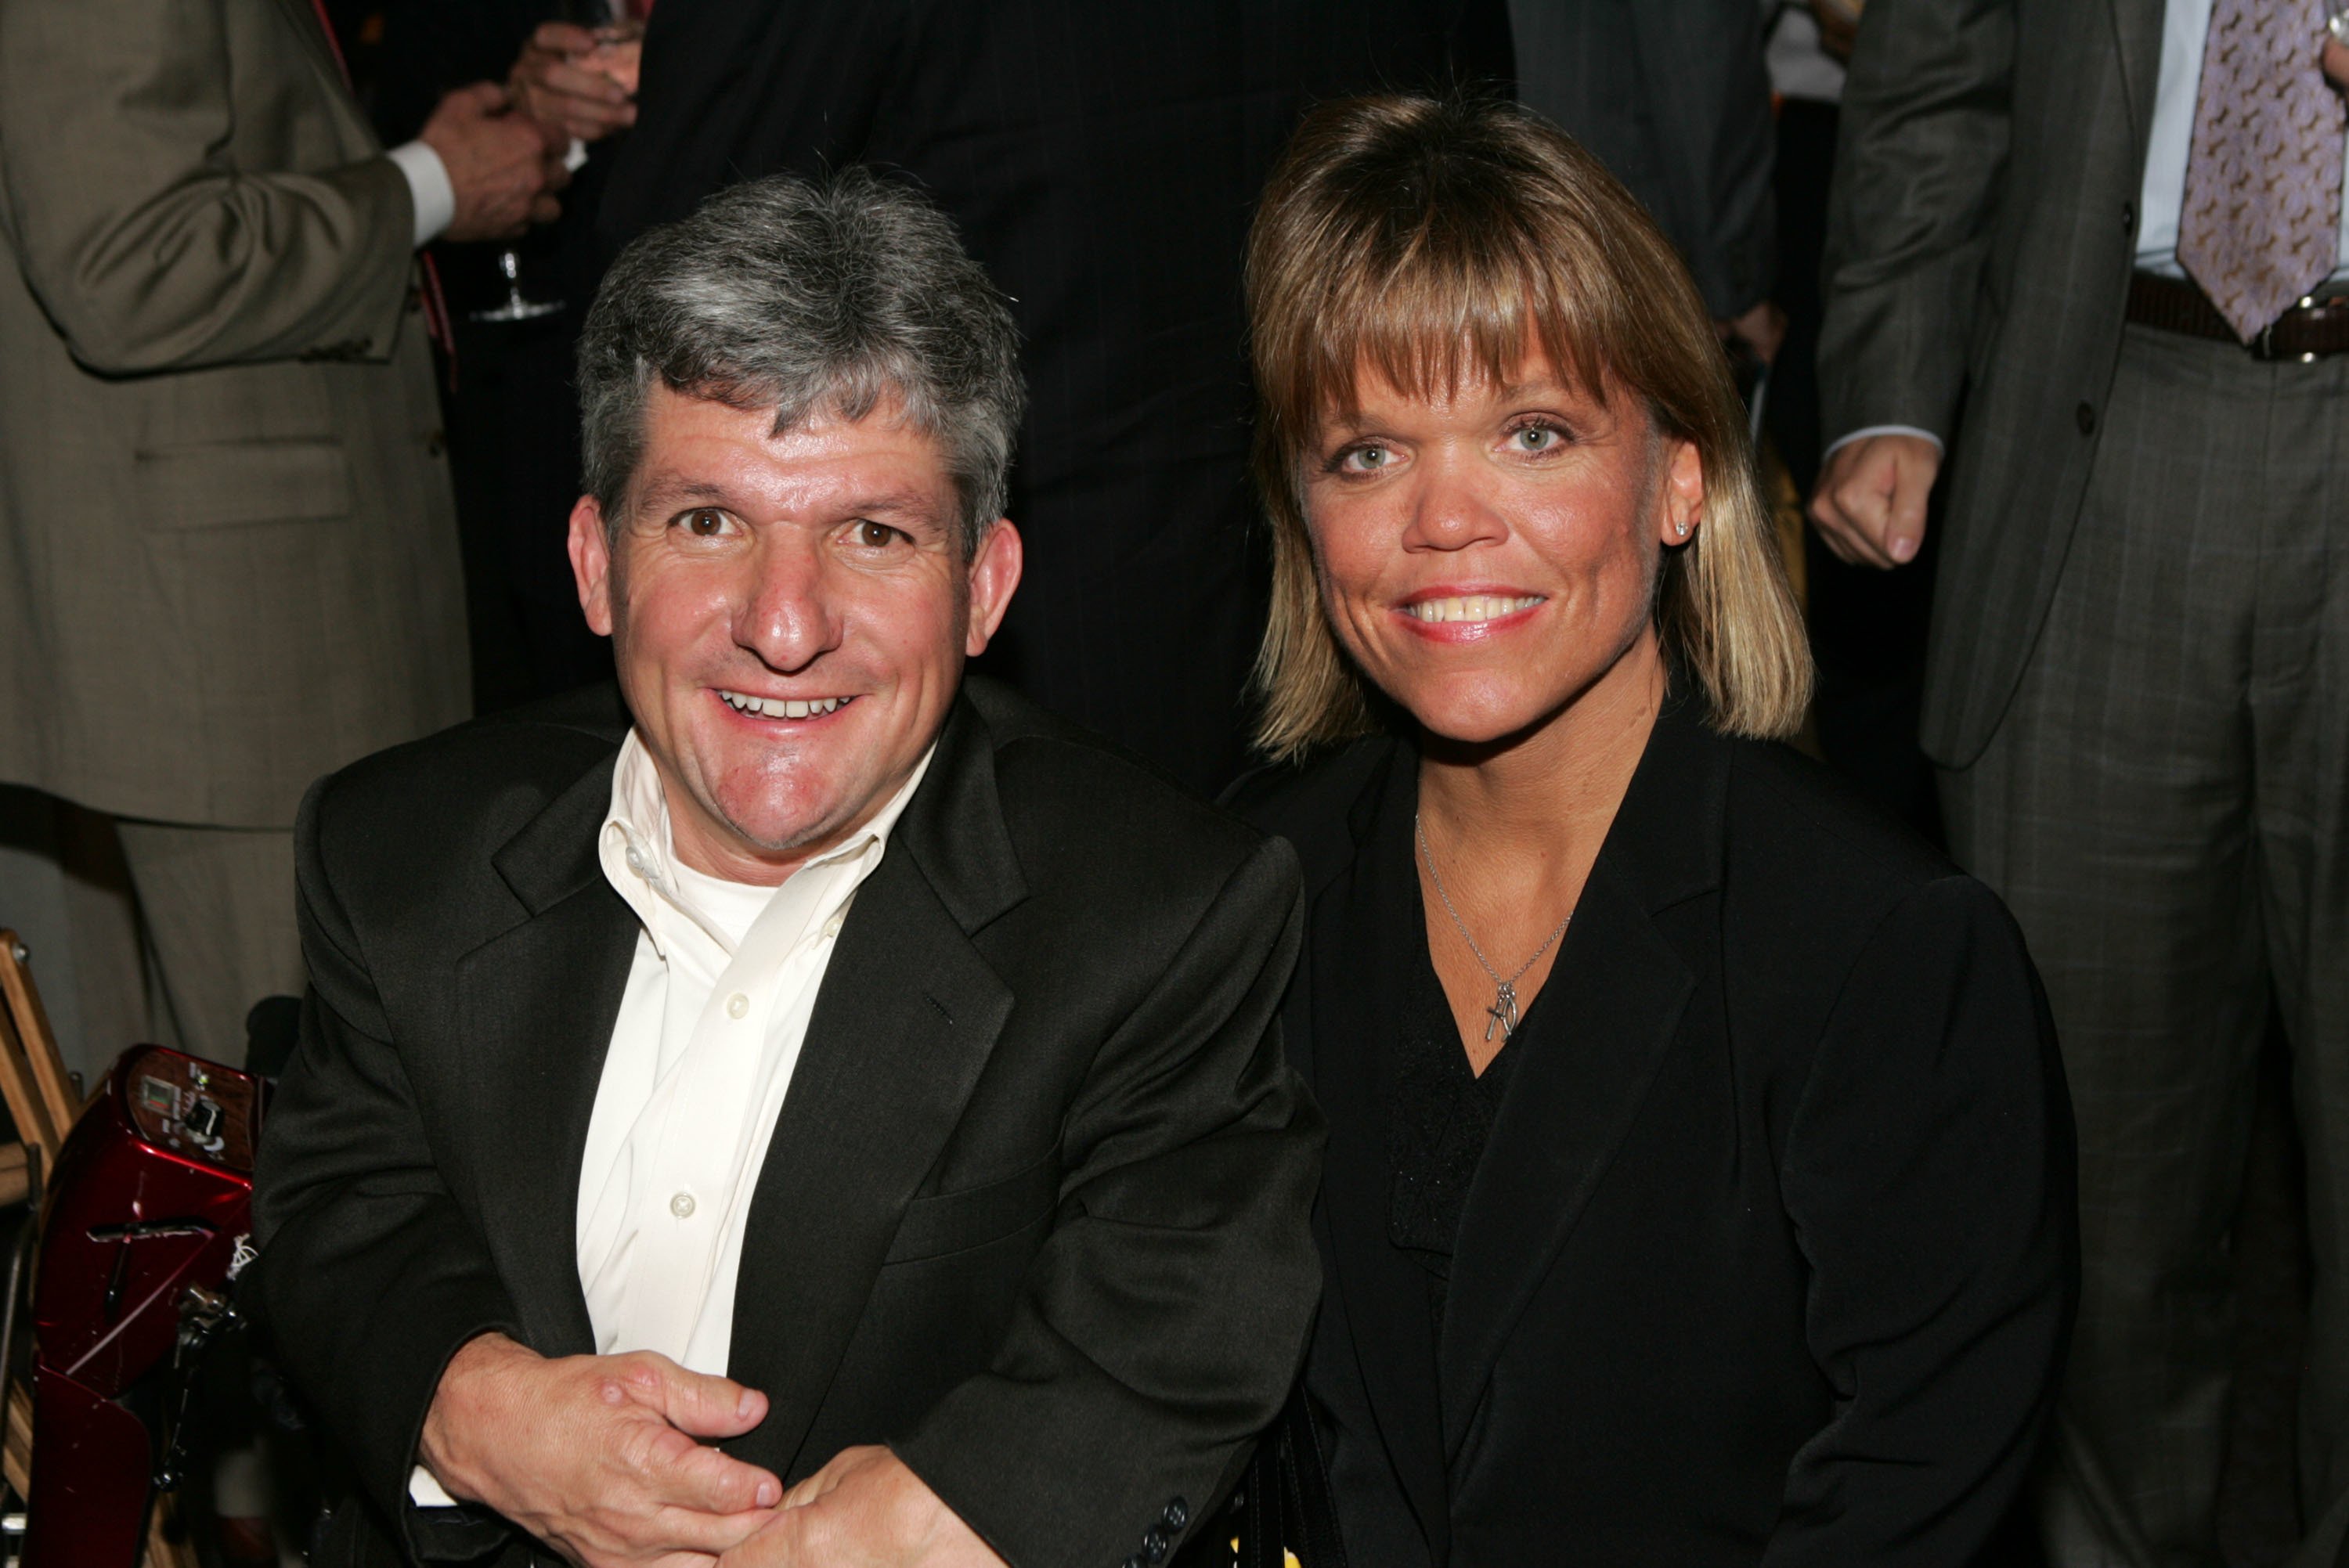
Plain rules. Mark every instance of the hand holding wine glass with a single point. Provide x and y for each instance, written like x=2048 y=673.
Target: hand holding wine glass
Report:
x=580 y=78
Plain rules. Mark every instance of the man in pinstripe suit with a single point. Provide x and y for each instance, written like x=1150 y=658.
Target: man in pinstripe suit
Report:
x=2113 y=230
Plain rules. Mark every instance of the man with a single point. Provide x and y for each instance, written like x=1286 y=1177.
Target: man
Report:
x=844 y=1056
x=1672 y=97
x=2117 y=232
x=1102 y=162
x=229 y=562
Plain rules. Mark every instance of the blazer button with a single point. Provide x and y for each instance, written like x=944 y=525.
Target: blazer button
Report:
x=1134 y=1561
x=2086 y=417
x=2128 y=217
x=434 y=445
x=1177 y=1515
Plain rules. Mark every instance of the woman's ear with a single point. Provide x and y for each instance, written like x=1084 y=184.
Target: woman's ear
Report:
x=1681 y=503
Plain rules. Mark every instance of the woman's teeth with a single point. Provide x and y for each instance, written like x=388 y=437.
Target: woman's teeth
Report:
x=783 y=708
x=1470 y=607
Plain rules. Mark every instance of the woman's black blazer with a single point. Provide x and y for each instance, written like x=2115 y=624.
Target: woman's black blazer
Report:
x=1771 y=1252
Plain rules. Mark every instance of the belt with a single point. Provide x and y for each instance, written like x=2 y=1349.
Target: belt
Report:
x=2313 y=327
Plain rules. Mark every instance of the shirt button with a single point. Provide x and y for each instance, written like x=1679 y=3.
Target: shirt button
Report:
x=636 y=859
x=737 y=1005
x=831 y=926
x=682 y=1205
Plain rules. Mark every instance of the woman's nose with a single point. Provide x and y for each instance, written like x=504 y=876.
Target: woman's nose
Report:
x=1451 y=510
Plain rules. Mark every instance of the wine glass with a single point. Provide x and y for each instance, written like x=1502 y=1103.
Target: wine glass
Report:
x=617 y=52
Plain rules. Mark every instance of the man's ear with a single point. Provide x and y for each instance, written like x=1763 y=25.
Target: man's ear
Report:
x=591 y=564
x=994 y=578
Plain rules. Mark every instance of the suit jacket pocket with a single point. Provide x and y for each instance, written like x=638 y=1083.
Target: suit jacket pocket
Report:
x=218 y=484
x=956 y=1222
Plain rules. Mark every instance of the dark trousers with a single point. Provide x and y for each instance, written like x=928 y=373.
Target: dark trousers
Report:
x=2166 y=809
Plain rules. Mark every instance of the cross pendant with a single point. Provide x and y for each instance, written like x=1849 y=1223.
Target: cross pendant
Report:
x=1503 y=1012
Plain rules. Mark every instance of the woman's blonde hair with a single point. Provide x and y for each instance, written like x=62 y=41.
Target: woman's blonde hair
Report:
x=1438 y=241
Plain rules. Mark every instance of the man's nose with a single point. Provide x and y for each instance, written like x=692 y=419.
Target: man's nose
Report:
x=788 y=617
x=1450 y=506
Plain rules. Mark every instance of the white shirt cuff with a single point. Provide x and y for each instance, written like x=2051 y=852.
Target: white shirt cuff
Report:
x=428 y=182
x=1840 y=442
x=426 y=1492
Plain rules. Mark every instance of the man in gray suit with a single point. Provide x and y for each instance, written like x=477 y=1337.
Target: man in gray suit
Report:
x=2113 y=230
x=227 y=559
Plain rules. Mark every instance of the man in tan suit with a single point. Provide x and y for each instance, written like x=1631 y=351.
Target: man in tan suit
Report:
x=228 y=560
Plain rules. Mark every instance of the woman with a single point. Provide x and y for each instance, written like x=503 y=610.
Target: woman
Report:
x=1699 y=1186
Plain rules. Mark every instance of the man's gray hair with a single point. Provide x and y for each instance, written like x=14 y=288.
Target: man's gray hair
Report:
x=810 y=300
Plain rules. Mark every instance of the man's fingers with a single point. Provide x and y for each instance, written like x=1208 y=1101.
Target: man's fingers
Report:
x=696 y=1402
x=481 y=98
x=690 y=1530
x=707 y=1481
x=1905 y=533
x=563 y=38
x=574 y=81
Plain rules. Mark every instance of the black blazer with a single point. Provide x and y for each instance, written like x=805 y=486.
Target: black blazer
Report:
x=1103 y=162
x=1771 y=1252
x=1034 y=1212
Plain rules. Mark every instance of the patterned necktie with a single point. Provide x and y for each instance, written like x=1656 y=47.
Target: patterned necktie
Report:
x=2262 y=224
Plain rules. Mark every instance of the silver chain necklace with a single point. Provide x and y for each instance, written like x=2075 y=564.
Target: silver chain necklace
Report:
x=1504 y=1010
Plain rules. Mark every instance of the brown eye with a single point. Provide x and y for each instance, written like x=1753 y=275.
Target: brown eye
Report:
x=704 y=522
x=875 y=535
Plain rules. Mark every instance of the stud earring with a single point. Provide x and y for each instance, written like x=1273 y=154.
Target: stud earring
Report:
x=1681 y=527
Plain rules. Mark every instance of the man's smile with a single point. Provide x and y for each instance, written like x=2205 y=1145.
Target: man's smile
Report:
x=783 y=708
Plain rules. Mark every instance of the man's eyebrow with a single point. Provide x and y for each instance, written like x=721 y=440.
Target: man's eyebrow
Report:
x=671 y=487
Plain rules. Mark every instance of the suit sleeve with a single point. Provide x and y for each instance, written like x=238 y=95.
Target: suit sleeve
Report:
x=1162 y=1321
x=1920 y=156
x=1928 y=1173
x=146 y=246
x=369 y=1276
x=1708 y=101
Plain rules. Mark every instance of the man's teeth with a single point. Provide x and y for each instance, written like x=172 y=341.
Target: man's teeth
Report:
x=781 y=707
x=1470 y=607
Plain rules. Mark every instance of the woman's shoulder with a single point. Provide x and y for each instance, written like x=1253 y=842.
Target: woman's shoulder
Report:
x=1802 y=845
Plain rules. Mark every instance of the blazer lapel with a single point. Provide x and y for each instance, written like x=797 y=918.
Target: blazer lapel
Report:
x=1608 y=1015
x=1384 y=1292
x=535 y=1008
x=904 y=1022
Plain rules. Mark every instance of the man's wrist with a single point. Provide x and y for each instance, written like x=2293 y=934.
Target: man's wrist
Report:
x=1867 y=431
x=428 y=188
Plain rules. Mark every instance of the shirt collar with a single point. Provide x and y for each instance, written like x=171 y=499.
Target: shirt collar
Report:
x=639 y=852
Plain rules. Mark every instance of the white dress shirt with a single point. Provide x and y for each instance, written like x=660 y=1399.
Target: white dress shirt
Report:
x=434 y=197
x=2185 y=28
x=720 y=992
